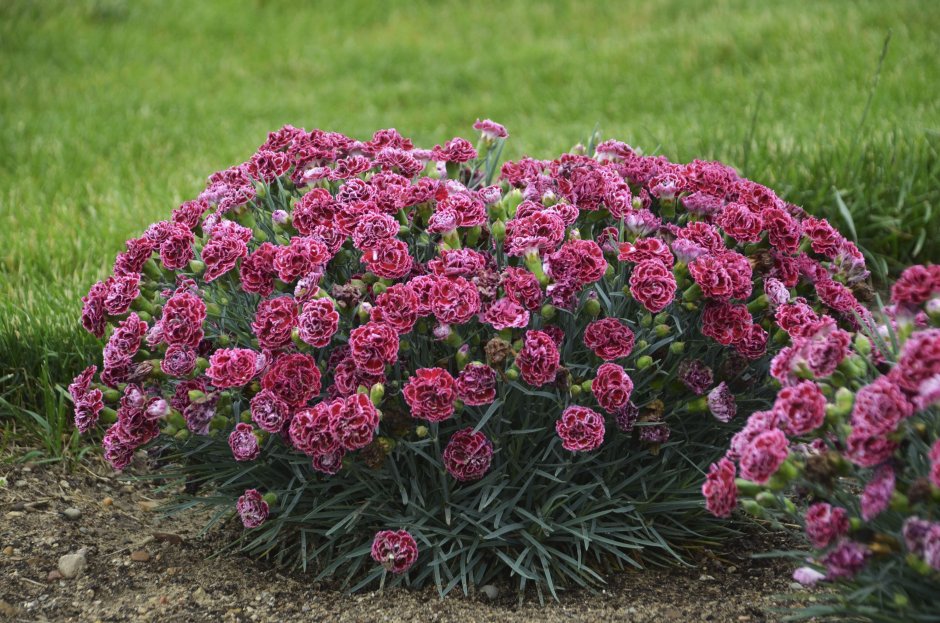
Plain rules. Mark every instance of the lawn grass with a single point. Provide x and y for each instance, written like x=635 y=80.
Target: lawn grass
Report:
x=112 y=112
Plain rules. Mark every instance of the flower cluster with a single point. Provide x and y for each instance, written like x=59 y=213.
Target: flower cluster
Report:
x=855 y=426
x=367 y=307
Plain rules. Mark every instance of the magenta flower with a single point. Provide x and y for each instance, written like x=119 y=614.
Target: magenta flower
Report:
x=396 y=550
x=252 y=508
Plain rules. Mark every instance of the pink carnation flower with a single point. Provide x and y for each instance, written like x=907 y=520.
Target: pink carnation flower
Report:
x=720 y=492
x=252 y=509
x=825 y=524
x=468 y=455
x=397 y=550
x=764 y=455
x=581 y=429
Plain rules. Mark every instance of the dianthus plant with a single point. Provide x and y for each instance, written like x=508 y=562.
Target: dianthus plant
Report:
x=393 y=360
x=858 y=442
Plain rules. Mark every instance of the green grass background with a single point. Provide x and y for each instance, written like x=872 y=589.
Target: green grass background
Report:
x=112 y=112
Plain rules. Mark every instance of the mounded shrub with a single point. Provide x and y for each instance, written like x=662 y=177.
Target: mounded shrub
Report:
x=462 y=369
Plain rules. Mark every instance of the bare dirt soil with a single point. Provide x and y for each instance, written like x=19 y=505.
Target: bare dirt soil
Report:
x=141 y=566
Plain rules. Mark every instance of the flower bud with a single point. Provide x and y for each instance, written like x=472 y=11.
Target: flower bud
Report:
x=512 y=374
x=692 y=293
x=677 y=348
x=899 y=502
x=932 y=309
x=747 y=487
x=421 y=431
x=646 y=321
x=644 y=362
x=463 y=357
x=377 y=393
x=575 y=390
x=108 y=416
x=862 y=345
x=918 y=564
x=498 y=230
x=196 y=267
x=548 y=311
x=662 y=330
x=592 y=307
x=112 y=395
x=176 y=419
x=766 y=499
x=751 y=507
x=196 y=396
x=640 y=346
x=473 y=235
x=182 y=434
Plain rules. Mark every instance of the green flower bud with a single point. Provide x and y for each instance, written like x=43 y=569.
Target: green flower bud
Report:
x=640 y=346
x=766 y=499
x=662 y=330
x=644 y=362
x=512 y=374
x=112 y=395
x=587 y=386
x=862 y=345
x=592 y=307
x=548 y=311
x=751 y=507
x=196 y=396
x=575 y=390
x=108 y=416
x=918 y=564
x=182 y=434
x=176 y=419
x=498 y=230
x=646 y=321
x=196 y=267
x=692 y=294
x=747 y=487
x=899 y=502
x=421 y=431
x=677 y=348
x=377 y=393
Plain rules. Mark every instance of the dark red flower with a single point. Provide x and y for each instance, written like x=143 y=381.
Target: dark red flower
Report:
x=476 y=384
x=468 y=455
x=539 y=358
x=293 y=378
x=431 y=393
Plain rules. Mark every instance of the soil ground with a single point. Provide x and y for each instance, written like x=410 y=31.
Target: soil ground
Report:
x=142 y=566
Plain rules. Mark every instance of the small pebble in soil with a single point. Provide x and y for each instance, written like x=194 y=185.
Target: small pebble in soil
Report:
x=108 y=501
x=490 y=591
x=54 y=575
x=72 y=565
x=140 y=556
x=72 y=513
x=8 y=550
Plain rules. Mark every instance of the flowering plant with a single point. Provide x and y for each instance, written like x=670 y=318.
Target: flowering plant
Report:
x=857 y=440
x=527 y=367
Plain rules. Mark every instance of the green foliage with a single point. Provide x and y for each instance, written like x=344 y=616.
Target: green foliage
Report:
x=547 y=517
